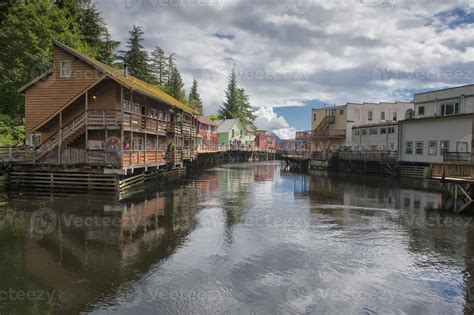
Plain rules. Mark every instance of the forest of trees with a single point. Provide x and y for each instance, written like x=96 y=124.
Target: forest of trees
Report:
x=27 y=29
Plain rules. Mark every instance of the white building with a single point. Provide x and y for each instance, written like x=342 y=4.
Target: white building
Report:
x=332 y=126
x=377 y=137
x=441 y=129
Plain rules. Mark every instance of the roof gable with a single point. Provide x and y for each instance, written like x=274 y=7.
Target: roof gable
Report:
x=118 y=76
x=228 y=124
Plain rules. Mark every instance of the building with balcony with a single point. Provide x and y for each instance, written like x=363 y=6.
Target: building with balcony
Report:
x=441 y=128
x=332 y=126
x=84 y=112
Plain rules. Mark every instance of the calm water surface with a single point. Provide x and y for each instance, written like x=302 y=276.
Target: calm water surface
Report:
x=238 y=239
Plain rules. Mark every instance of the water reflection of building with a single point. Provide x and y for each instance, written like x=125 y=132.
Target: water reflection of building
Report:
x=97 y=246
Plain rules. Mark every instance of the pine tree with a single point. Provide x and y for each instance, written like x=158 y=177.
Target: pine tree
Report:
x=159 y=66
x=136 y=57
x=107 y=49
x=175 y=86
x=94 y=31
x=245 y=109
x=170 y=66
x=195 y=101
x=26 y=33
x=230 y=108
x=91 y=24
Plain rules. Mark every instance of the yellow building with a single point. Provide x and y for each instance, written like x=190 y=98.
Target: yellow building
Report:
x=332 y=126
x=328 y=127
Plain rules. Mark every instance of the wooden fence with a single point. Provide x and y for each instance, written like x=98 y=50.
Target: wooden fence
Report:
x=453 y=171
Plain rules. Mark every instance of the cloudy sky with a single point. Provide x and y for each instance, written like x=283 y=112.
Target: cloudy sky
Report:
x=294 y=55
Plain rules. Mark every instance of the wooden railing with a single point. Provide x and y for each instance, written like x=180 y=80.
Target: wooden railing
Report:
x=108 y=119
x=63 y=136
x=142 y=157
x=309 y=155
x=457 y=157
x=15 y=154
x=377 y=156
x=453 y=171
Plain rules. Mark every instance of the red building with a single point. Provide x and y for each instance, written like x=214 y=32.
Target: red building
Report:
x=266 y=140
x=208 y=131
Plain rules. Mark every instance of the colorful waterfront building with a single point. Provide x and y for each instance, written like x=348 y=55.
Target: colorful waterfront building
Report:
x=231 y=133
x=208 y=131
x=85 y=113
x=266 y=140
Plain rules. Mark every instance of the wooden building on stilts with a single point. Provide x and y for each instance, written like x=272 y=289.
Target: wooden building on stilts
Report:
x=93 y=126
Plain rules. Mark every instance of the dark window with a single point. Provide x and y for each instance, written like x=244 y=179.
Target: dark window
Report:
x=421 y=110
x=409 y=147
x=370 y=115
x=444 y=146
x=383 y=131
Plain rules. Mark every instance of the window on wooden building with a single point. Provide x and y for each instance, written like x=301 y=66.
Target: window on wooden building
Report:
x=395 y=116
x=383 y=131
x=370 y=115
x=373 y=131
x=138 y=144
x=382 y=116
x=449 y=109
x=364 y=132
x=421 y=110
x=444 y=146
x=409 y=147
x=419 y=147
x=432 y=147
x=66 y=68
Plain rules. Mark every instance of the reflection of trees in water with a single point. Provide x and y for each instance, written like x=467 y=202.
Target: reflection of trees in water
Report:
x=94 y=260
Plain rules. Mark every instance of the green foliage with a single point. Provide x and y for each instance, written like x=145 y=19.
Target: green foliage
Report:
x=136 y=56
x=175 y=86
x=27 y=29
x=11 y=135
x=213 y=117
x=237 y=104
x=195 y=101
x=159 y=66
x=230 y=107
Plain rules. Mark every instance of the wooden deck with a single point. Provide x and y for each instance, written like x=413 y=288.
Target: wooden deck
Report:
x=457 y=172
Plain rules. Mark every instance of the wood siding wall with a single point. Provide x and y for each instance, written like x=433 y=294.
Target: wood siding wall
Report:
x=47 y=96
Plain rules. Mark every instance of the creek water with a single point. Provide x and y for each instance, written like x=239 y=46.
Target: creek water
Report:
x=238 y=239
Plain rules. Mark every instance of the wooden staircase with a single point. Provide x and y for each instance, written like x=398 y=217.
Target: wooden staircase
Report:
x=63 y=137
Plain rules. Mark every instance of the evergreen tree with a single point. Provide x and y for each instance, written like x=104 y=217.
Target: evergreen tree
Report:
x=171 y=65
x=107 y=49
x=230 y=107
x=26 y=32
x=245 y=109
x=91 y=24
x=175 y=86
x=159 y=66
x=136 y=57
x=195 y=99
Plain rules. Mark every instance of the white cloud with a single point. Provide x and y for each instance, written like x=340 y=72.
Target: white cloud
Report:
x=326 y=51
x=267 y=119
